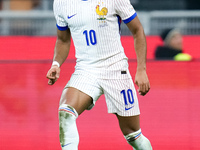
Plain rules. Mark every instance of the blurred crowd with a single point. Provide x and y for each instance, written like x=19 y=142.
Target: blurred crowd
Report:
x=172 y=48
x=19 y=4
x=172 y=44
x=145 y=5
x=23 y=4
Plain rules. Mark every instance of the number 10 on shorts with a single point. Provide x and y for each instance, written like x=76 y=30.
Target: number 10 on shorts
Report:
x=128 y=97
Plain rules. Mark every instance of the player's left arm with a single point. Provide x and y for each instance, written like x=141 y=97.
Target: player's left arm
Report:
x=61 y=52
x=141 y=78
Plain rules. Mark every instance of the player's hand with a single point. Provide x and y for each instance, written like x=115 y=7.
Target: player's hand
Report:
x=142 y=81
x=53 y=74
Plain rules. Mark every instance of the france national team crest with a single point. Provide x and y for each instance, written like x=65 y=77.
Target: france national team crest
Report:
x=101 y=12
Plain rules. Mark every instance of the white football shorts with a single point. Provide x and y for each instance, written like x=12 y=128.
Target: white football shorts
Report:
x=120 y=94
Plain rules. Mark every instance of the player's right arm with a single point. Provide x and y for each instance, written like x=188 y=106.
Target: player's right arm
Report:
x=61 y=52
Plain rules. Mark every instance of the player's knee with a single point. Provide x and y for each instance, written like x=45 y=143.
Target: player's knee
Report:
x=138 y=141
x=66 y=111
x=67 y=125
x=67 y=116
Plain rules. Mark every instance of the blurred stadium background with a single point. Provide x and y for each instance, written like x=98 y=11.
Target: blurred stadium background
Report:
x=28 y=106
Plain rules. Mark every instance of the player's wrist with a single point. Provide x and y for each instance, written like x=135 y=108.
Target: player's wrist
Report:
x=55 y=63
x=141 y=68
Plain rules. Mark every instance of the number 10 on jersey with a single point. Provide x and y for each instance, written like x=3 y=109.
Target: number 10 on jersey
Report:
x=90 y=37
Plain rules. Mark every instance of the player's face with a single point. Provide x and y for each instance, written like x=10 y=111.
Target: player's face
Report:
x=176 y=42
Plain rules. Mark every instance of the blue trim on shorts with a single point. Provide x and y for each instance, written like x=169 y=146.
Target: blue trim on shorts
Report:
x=130 y=18
x=62 y=28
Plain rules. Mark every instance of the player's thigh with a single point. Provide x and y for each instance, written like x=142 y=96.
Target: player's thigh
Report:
x=75 y=98
x=129 y=124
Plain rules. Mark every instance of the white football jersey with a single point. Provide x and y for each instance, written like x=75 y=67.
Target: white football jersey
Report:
x=94 y=27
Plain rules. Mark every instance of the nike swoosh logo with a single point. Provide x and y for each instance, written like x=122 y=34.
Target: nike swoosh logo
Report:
x=66 y=144
x=128 y=108
x=71 y=16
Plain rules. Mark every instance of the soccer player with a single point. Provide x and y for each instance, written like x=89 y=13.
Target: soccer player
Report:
x=101 y=66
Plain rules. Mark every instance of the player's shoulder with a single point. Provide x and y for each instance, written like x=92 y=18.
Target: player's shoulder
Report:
x=59 y=2
x=121 y=1
x=56 y=2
